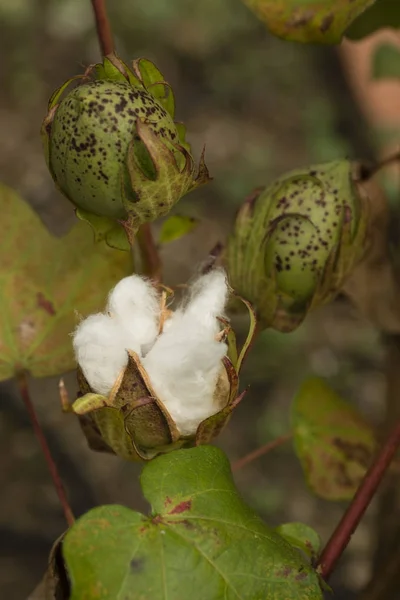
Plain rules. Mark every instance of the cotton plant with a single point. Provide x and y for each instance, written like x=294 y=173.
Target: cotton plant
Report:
x=153 y=379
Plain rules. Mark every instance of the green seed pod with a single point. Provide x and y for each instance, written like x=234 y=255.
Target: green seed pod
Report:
x=295 y=243
x=114 y=150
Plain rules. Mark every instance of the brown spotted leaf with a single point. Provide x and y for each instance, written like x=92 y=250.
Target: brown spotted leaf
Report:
x=332 y=440
x=200 y=541
x=46 y=284
x=322 y=21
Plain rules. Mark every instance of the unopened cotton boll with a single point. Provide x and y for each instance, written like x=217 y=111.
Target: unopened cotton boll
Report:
x=135 y=304
x=100 y=350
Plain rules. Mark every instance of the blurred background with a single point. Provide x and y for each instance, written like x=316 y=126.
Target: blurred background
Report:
x=262 y=106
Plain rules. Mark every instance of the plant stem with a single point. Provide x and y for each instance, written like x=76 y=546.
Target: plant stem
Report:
x=24 y=391
x=385 y=575
x=353 y=515
x=151 y=262
x=261 y=451
x=103 y=27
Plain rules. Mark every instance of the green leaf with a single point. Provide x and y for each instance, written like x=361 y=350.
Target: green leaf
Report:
x=176 y=227
x=46 y=284
x=153 y=80
x=108 y=70
x=89 y=402
x=113 y=68
x=382 y=14
x=386 y=62
x=322 y=21
x=105 y=229
x=332 y=440
x=301 y=536
x=164 y=94
x=181 y=129
x=147 y=71
x=201 y=541
x=56 y=96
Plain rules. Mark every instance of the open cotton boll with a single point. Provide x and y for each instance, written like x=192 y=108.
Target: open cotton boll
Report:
x=100 y=350
x=135 y=304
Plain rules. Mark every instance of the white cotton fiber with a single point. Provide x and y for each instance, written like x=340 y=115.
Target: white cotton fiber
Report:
x=183 y=374
x=208 y=298
x=100 y=350
x=135 y=304
x=185 y=361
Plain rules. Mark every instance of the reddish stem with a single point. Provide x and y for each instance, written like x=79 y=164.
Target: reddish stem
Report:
x=24 y=391
x=389 y=160
x=353 y=515
x=261 y=451
x=151 y=263
x=103 y=27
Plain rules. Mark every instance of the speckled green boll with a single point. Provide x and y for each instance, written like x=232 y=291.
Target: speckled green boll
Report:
x=90 y=134
x=114 y=150
x=295 y=242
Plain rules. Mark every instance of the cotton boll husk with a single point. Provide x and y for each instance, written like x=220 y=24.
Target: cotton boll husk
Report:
x=208 y=298
x=100 y=350
x=135 y=304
